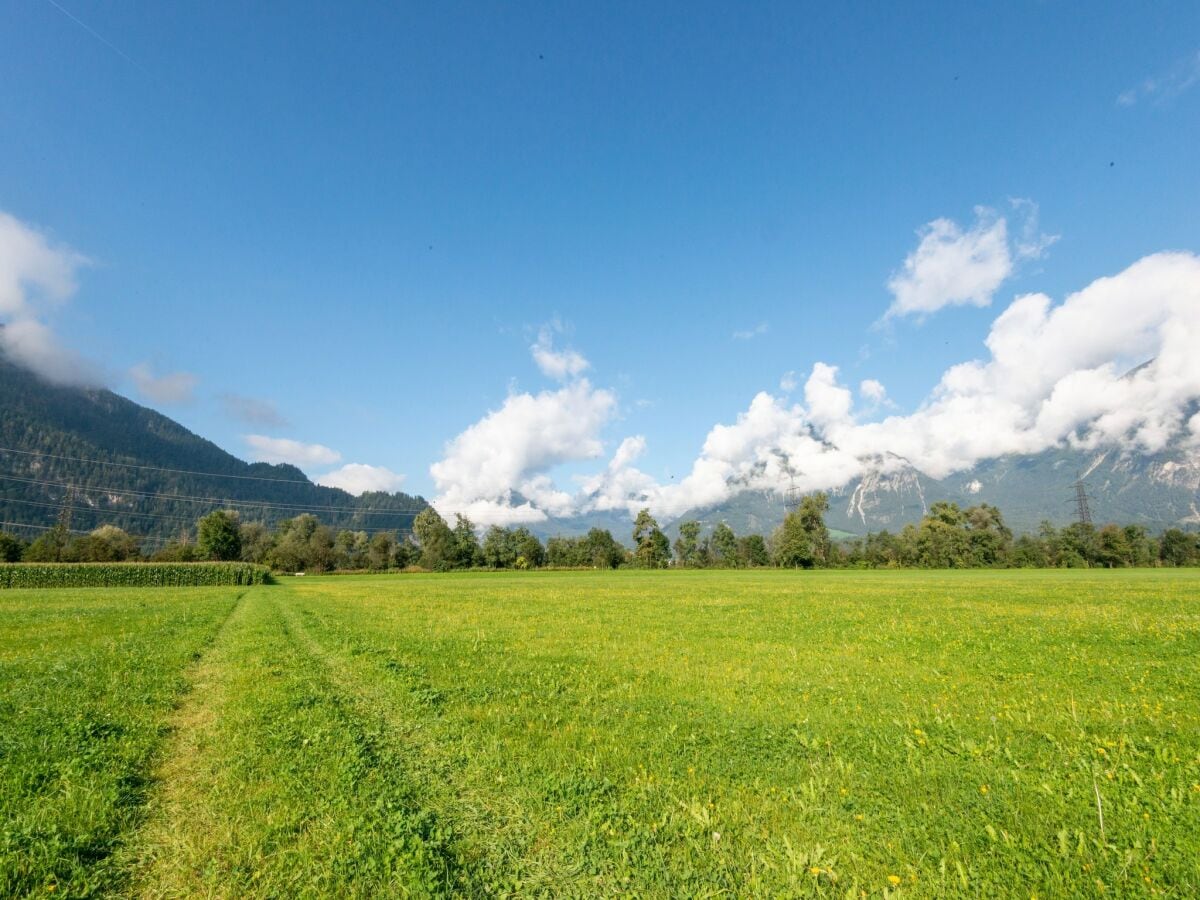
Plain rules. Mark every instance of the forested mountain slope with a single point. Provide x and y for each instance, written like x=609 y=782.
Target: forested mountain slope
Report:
x=102 y=456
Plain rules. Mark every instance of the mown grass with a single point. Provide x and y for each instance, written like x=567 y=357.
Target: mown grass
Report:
x=87 y=682
x=685 y=734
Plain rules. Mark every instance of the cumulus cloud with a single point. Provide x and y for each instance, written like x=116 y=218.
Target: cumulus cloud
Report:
x=1055 y=376
x=172 y=389
x=1113 y=364
x=749 y=333
x=558 y=364
x=36 y=277
x=1182 y=76
x=359 y=478
x=510 y=451
x=284 y=450
x=252 y=411
x=953 y=266
x=788 y=382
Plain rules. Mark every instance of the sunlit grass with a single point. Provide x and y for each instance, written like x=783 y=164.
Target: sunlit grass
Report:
x=88 y=680
x=681 y=734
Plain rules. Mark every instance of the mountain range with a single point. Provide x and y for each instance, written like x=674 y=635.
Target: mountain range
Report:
x=1158 y=491
x=99 y=457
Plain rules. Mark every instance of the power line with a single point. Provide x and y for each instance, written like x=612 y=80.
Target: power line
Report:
x=38 y=527
x=103 y=462
x=140 y=538
x=115 y=513
x=229 y=501
x=90 y=509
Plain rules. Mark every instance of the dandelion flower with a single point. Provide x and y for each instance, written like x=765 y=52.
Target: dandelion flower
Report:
x=893 y=880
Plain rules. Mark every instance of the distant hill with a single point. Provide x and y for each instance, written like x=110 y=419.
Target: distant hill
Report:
x=126 y=447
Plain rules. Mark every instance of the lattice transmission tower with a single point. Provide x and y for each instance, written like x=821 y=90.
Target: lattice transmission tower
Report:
x=1082 y=510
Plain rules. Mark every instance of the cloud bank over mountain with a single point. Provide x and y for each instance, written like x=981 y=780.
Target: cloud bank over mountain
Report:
x=1112 y=364
x=37 y=277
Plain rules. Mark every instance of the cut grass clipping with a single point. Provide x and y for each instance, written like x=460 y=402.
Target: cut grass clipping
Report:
x=654 y=734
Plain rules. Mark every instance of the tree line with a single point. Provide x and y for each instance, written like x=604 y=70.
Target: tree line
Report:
x=946 y=537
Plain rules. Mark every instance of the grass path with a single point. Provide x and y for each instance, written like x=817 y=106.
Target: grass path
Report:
x=88 y=682
x=276 y=786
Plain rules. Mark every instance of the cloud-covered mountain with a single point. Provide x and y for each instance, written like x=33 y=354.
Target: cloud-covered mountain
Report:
x=1110 y=370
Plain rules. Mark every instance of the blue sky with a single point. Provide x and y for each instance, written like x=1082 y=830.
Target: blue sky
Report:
x=362 y=214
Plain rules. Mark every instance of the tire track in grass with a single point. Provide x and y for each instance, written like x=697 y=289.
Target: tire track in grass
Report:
x=100 y=742
x=382 y=724
x=192 y=716
x=497 y=848
x=274 y=787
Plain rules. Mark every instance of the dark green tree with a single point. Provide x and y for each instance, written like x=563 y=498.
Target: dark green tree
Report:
x=600 y=550
x=652 y=549
x=499 y=551
x=108 y=543
x=218 y=536
x=802 y=541
x=942 y=541
x=257 y=542
x=1177 y=548
x=723 y=547
x=466 y=543
x=752 y=551
x=528 y=548
x=989 y=538
x=435 y=539
x=11 y=547
x=381 y=551
x=687 y=545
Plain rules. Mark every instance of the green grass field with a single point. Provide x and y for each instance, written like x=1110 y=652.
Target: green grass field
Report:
x=673 y=734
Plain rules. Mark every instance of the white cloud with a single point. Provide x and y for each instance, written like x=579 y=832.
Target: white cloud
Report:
x=359 y=478
x=872 y=391
x=1054 y=375
x=511 y=449
x=285 y=450
x=788 y=382
x=31 y=270
x=828 y=402
x=36 y=277
x=1031 y=242
x=35 y=346
x=558 y=364
x=953 y=267
x=252 y=411
x=1182 y=76
x=748 y=333
x=172 y=389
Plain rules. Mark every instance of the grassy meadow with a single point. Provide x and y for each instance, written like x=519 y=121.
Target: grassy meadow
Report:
x=649 y=734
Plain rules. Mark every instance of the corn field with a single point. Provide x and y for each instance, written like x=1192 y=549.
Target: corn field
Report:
x=65 y=575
